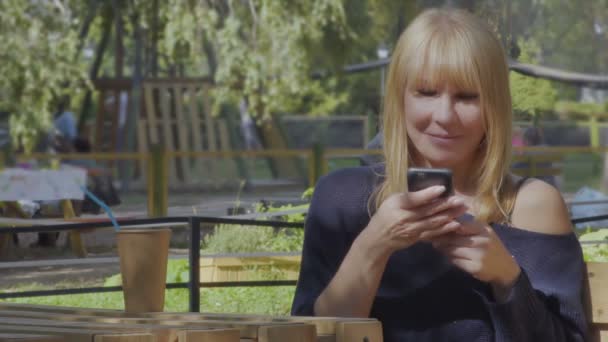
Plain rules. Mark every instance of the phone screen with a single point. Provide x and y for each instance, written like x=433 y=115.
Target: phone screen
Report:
x=421 y=178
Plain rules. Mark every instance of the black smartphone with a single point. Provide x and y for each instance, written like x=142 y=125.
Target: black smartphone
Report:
x=421 y=178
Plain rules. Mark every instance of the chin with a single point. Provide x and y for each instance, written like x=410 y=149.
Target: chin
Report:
x=444 y=159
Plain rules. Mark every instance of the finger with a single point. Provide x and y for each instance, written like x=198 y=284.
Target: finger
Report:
x=435 y=221
x=430 y=223
x=472 y=228
x=440 y=205
x=447 y=228
x=460 y=252
x=425 y=196
x=472 y=267
x=456 y=240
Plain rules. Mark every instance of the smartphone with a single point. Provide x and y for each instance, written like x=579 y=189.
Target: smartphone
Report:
x=421 y=178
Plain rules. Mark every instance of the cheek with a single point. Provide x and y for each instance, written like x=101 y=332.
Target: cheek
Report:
x=470 y=116
x=419 y=114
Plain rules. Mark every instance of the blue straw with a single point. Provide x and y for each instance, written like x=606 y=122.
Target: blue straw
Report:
x=102 y=205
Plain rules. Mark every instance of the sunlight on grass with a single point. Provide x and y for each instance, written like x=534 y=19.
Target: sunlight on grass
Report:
x=262 y=300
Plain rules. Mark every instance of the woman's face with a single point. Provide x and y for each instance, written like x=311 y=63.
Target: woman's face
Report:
x=444 y=124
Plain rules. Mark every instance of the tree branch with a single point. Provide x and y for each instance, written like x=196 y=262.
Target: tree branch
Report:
x=255 y=22
x=570 y=77
x=537 y=71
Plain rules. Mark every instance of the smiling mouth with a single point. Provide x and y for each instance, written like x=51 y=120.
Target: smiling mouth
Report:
x=446 y=137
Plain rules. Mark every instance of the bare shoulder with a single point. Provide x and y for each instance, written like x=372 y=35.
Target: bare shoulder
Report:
x=539 y=207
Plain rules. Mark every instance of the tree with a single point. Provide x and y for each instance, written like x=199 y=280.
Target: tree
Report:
x=39 y=66
x=265 y=49
x=531 y=96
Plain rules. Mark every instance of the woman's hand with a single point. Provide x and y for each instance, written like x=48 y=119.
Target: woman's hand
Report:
x=476 y=249
x=404 y=219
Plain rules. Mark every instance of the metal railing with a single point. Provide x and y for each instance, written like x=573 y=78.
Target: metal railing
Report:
x=194 y=224
x=193 y=285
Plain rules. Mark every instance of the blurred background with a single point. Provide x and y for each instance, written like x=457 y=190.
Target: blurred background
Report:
x=94 y=76
x=222 y=107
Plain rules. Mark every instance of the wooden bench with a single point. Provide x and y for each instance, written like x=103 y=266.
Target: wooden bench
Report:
x=75 y=239
x=176 y=327
x=596 y=300
x=99 y=325
x=30 y=338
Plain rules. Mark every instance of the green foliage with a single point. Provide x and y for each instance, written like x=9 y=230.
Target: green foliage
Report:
x=39 y=42
x=228 y=238
x=270 y=300
x=111 y=300
x=567 y=30
x=249 y=239
x=177 y=272
x=595 y=252
x=263 y=49
x=307 y=195
x=580 y=107
x=259 y=51
x=297 y=217
x=531 y=96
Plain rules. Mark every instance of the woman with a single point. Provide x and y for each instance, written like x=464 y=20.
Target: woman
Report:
x=495 y=262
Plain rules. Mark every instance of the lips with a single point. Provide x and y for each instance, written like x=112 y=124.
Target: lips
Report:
x=443 y=136
x=442 y=139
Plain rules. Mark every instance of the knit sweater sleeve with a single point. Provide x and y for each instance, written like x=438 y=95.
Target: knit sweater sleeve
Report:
x=332 y=223
x=545 y=303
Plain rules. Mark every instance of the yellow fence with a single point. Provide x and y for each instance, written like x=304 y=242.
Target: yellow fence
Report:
x=157 y=163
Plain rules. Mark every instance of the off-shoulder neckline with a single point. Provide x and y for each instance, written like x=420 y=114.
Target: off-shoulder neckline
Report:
x=521 y=231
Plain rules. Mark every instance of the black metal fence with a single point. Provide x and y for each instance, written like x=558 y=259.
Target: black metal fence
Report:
x=194 y=224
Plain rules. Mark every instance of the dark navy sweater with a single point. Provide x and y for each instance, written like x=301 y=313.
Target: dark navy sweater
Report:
x=422 y=297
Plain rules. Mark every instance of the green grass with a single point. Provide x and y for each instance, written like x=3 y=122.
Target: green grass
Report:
x=261 y=300
x=275 y=300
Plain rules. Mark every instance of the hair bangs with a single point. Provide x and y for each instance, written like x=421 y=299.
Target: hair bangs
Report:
x=446 y=59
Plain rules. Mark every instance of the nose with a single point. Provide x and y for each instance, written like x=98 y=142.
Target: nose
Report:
x=445 y=113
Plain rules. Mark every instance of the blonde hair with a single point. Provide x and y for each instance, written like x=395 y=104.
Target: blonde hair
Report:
x=453 y=46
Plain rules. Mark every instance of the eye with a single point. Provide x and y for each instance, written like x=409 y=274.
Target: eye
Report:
x=426 y=92
x=467 y=96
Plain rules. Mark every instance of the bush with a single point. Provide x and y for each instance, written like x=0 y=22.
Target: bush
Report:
x=595 y=252
x=249 y=239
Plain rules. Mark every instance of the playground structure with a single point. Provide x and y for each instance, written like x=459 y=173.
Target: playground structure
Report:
x=176 y=116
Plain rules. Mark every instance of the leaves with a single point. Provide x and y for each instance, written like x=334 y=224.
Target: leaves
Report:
x=38 y=42
x=531 y=96
x=264 y=49
x=595 y=252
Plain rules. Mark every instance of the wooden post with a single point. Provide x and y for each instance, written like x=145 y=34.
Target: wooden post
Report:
x=319 y=165
x=75 y=238
x=533 y=167
x=163 y=183
x=150 y=181
x=157 y=181
x=371 y=127
x=594 y=131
